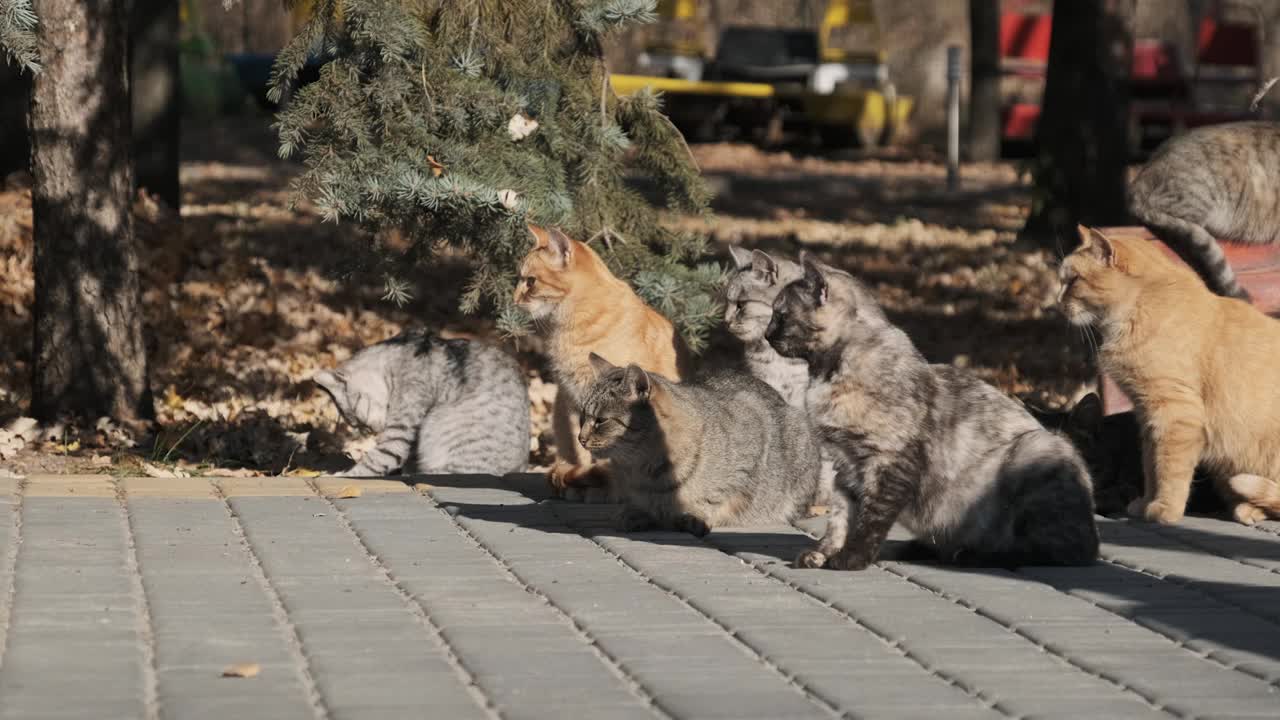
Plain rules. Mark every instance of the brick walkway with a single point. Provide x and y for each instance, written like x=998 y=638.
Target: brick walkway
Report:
x=470 y=598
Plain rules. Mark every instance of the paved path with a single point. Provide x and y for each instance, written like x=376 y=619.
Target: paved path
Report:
x=472 y=598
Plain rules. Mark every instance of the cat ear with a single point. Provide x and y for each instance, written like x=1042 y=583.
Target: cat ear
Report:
x=325 y=379
x=1098 y=244
x=539 y=236
x=741 y=257
x=1087 y=414
x=638 y=381
x=560 y=246
x=764 y=266
x=816 y=280
x=599 y=365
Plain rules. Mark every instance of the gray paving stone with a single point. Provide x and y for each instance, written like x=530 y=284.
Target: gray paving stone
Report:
x=89 y=538
x=553 y=614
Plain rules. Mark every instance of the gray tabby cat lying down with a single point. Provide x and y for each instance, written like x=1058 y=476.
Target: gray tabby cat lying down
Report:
x=692 y=456
x=1215 y=181
x=962 y=465
x=450 y=406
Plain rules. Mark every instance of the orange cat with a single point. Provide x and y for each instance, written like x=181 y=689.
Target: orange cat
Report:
x=1201 y=369
x=566 y=286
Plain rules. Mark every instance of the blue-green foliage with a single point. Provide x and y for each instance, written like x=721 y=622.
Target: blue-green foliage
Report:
x=17 y=34
x=407 y=127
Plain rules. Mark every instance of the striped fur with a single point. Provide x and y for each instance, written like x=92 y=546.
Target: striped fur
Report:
x=449 y=406
x=749 y=294
x=714 y=451
x=960 y=464
x=1220 y=181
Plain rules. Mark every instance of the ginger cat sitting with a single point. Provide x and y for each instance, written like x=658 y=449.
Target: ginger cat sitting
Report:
x=568 y=289
x=1201 y=369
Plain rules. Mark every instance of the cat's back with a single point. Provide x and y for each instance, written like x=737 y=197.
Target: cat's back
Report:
x=1229 y=173
x=480 y=420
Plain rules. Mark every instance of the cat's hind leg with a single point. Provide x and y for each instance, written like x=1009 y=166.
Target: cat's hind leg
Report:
x=1054 y=522
x=1252 y=498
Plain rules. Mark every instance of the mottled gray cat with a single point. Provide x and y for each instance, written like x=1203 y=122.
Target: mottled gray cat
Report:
x=960 y=464
x=1219 y=181
x=718 y=450
x=756 y=281
x=749 y=294
x=450 y=405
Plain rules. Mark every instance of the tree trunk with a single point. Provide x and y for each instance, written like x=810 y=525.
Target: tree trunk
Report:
x=154 y=31
x=15 y=88
x=984 y=80
x=89 y=357
x=1081 y=139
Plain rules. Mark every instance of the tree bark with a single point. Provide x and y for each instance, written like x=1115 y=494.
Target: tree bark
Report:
x=89 y=357
x=1081 y=138
x=15 y=88
x=154 y=31
x=984 y=80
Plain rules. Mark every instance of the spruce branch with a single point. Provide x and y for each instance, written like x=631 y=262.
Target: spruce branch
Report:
x=18 y=34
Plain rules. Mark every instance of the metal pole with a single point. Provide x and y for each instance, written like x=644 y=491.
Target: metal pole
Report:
x=953 y=117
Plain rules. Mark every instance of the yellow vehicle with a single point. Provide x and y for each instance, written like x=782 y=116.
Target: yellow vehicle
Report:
x=765 y=79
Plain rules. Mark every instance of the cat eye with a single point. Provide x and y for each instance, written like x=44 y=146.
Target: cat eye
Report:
x=528 y=281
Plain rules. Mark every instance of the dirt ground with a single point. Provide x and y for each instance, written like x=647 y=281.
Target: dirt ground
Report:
x=246 y=297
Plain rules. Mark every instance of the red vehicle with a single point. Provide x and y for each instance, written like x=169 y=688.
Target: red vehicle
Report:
x=1166 y=95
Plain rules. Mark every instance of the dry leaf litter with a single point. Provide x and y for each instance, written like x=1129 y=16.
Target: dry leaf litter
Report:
x=246 y=297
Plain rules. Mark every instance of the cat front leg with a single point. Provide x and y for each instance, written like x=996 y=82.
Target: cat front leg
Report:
x=392 y=450
x=886 y=488
x=572 y=460
x=1177 y=440
x=834 y=537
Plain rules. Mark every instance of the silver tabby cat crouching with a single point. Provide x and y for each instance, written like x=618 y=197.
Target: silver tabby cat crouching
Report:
x=449 y=405
x=714 y=451
x=1219 y=181
x=962 y=465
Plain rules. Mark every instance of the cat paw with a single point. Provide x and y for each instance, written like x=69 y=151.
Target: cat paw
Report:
x=1159 y=511
x=693 y=525
x=812 y=559
x=849 y=560
x=1247 y=514
x=561 y=476
x=1137 y=508
x=1239 y=293
x=633 y=520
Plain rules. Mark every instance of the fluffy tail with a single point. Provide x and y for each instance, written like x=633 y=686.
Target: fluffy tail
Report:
x=1258 y=491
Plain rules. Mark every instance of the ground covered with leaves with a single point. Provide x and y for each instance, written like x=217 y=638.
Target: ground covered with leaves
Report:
x=247 y=296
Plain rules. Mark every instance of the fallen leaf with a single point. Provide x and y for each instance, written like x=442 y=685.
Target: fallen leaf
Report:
x=23 y=427
x=348 y=491
x=100 y=460
x=510 y=199
x=243 y=670
x=230 y=472
x=303 y=472
x=436 y=168
x=152 y=471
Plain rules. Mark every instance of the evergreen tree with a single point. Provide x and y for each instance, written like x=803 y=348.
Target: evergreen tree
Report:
x=460 y=122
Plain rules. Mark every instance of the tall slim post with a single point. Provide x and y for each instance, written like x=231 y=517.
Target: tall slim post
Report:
x=953 y=118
